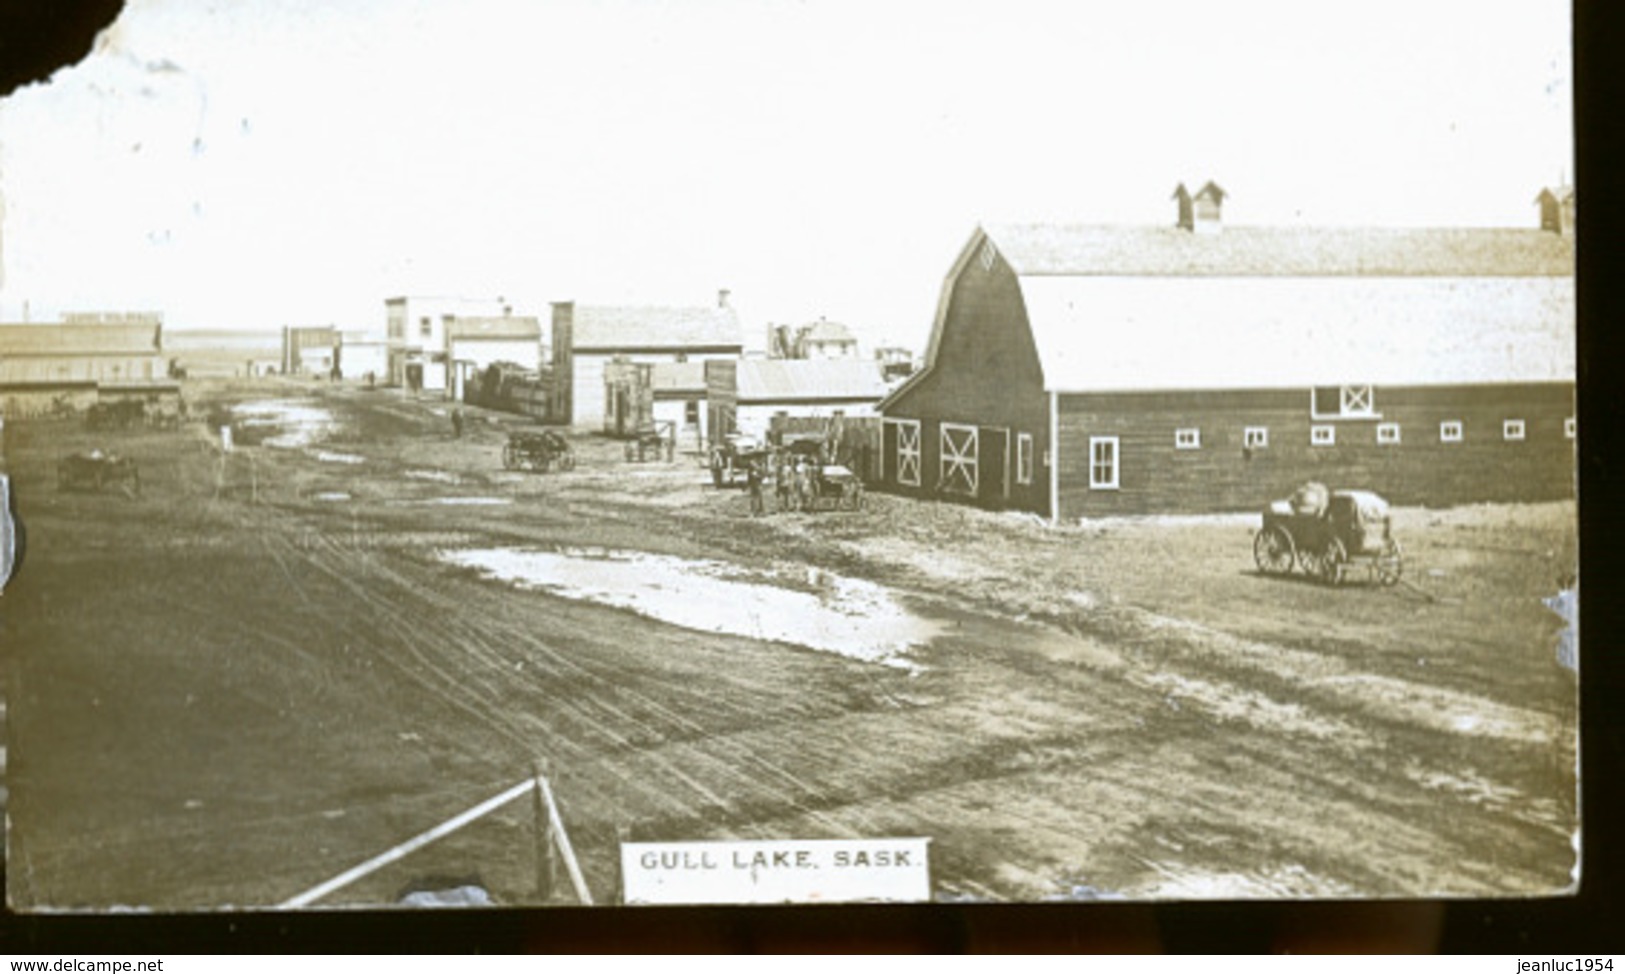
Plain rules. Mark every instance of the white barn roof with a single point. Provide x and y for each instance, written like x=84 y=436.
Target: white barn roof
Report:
x=1114 y=309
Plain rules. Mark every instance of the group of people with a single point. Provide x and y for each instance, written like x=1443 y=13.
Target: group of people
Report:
x=794 y=483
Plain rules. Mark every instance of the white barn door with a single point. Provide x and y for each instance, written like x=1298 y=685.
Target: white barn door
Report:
x=958 y=451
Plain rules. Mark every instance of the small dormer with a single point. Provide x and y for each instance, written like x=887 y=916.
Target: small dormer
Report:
x=1199 y=213
x=1557 y=209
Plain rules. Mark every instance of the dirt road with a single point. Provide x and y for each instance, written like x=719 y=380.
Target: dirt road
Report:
x=272 y=664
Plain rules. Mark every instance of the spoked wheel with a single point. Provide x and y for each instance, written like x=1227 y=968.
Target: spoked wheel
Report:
x=1331 y=562
x=1273 y=551
x=1390 y=563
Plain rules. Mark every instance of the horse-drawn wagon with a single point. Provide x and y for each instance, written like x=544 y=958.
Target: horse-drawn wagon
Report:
x=541 y=450
x=1328 y=534
x=97 y=469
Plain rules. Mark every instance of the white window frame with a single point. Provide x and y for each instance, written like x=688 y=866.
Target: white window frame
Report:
x=1255 y=437
x=1450 y=431
x=1513 y=429
x=1189 y=438
x=1113 y=467
x=1387 y=434
x=1569 y=427
x=1324 y=435
x=1024 y=458
x=908 y=451
x=958 y=458
x=1353 y=402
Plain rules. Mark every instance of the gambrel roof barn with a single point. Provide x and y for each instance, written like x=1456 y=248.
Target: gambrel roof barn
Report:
x=1088 y=370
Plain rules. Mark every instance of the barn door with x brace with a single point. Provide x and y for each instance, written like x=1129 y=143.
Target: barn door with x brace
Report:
x=957 y=473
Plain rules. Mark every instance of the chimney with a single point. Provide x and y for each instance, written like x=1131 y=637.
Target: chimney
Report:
x=1205 y=206
x=722 y=297
x=1557 y=209
x=1185 y=220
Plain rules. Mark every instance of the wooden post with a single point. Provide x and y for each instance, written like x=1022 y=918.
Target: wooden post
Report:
x=546 y=865
x=623 y=835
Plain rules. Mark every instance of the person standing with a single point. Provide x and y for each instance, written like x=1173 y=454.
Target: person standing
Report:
x=753 y=480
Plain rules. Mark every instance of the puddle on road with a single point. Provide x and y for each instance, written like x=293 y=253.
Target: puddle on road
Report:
x=328 y=457
x=848 y=616
x=331 y=495
x=438 y=476
x=284 y=423
x=468 y=501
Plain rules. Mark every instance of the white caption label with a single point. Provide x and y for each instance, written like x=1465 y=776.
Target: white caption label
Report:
x=788 y=871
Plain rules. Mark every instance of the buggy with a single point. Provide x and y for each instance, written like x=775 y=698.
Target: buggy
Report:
x=733 y=455
x=95 y=470
x=833 y=488
x=538 y=450
x=651 y=441
x=1328 y=535
x=115 y=415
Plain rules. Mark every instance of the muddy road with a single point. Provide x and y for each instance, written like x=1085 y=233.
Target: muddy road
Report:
x=272 y=664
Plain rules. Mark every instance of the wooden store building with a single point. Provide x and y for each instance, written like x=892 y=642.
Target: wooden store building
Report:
x=1088 y=371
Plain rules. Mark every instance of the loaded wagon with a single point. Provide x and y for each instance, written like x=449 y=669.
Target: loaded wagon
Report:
x=732 y=456
x=833 y=488
x=95 y=470
x=651 y=441
x=540 y=450
x=1328 y=535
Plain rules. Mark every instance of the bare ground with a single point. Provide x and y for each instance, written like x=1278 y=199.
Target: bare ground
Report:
x=261 y=670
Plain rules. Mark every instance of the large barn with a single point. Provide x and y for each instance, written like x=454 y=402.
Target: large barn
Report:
x=1086 y=371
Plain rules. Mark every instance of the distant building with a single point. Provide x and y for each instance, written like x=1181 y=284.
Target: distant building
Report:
x=475 y=343
x=822 y=339
x=363 y=354
x=310 y=350
x=896 y=363
x=416 y=330
x=638 y=394
x=1081 y=371
x=45 y=364
x=223 y=352
x=743 y=396
x=586 y=338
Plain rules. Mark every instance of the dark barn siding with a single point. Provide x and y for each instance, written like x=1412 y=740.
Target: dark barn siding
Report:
x=986 y=374
x=1154 y=477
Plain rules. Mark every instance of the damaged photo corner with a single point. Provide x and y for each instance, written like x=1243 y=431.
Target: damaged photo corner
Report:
x=752 y=452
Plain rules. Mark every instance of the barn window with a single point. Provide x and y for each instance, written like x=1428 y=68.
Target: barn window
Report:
x=956 y=470
x=1512 y=429
x=1450 y=431
x=1387 y=433
x=1187 y=439
x=1024 y=458
x=1322 y=435
x=1255 y=437
x=1102 y=463
x=1342 y=402
x=908 y=451
x=1568 y=428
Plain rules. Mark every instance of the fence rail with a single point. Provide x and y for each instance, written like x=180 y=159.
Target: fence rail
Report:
x=552 y=830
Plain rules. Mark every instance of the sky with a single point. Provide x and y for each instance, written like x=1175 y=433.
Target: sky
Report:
x=257 y=163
